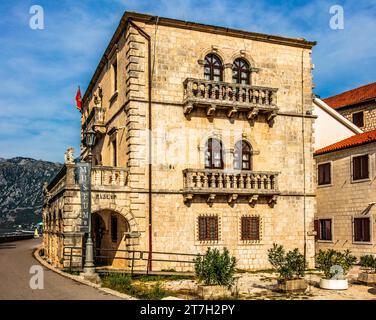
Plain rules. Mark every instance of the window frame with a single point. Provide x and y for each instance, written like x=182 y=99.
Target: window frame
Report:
x=356 y=114
x=361 y=179
x=206 y=234
x=240 y=71
x=318 y=229
x=370 y=229
x=325 y=184
x=209 y=154
x=211 y=65
x=240 y=161
x=247 y=235
x=114 y=76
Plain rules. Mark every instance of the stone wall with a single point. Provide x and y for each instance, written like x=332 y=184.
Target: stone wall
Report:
x=369 y=112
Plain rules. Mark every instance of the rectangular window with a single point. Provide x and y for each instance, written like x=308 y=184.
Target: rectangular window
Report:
x=250 y=227
x=360 y=167
x=358 y=119
x=323 y=228
x=114 y=67
x=114 y=153
x=114 y=228
x=362 y=230
x=324 y=174
x=208 y=228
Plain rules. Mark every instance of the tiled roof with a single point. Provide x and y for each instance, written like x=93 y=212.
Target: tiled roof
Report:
x=353 y=96
x=353 y=141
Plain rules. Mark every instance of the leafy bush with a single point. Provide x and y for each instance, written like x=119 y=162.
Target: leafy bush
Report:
x=335 y=264
x=289 y=266
x=215 y=268
x=368 y=262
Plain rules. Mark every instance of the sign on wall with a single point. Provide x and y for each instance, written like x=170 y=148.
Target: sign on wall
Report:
x=84 y=180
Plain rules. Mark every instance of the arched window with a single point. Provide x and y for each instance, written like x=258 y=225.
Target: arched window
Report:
x=213 y=154
x=241 y=72
x=213 y=68
x=242 y=156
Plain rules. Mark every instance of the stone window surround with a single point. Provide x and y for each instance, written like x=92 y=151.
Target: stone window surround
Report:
x=331 y=175
x=370 y=167
x=261 y=230
x=198 y=242
x=225 y=151
x=332 y=218
x=371 y=221
x=242 y=54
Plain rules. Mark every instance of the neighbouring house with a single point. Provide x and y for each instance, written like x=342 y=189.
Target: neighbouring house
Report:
x=330 y=126
x=346 y=195
x=204 y=138
x=357 y=105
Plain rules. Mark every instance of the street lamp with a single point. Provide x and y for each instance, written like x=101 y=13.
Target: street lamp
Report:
x=89 y=267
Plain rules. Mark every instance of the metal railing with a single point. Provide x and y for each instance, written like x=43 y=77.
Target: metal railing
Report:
x=131 y=255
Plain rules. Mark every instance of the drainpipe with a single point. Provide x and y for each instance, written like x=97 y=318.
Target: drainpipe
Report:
x=150 y=82
x=304 y=165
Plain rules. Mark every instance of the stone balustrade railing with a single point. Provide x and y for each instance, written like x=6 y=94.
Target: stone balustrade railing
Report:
x=221 y=181
x=230 y=94
x=108 y=176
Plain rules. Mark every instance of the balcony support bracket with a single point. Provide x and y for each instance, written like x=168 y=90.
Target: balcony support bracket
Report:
x=270 y=118
x=188 y=108
x=273 y=200
x=211 y=198
x=232 y=198
x=211 y=110
x=253 y=200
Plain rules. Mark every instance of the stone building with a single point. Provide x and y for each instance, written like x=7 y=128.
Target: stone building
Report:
x=357 y=105
x=230 y=163
x=346 y=195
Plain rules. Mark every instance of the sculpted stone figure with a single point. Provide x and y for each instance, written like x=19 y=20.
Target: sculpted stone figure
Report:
x=69 y=155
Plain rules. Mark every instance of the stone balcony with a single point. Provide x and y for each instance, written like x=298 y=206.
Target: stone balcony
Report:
x=231 y=97
x=232 y=184
x=102 y=179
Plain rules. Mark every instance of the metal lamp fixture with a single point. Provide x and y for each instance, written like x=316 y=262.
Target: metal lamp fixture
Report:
x=90 y=138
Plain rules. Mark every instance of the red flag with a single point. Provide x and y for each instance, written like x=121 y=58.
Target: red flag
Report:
x=78 y=99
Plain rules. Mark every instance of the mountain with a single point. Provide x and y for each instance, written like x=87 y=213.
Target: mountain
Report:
x=21 y=196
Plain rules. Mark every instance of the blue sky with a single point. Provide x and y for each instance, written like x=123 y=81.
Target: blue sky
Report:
x=40 y=69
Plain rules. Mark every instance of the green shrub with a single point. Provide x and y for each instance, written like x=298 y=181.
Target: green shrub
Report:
x=289 y=266
x=335 y=264
x=368 y=262
x=216 y=268
x=121 y=282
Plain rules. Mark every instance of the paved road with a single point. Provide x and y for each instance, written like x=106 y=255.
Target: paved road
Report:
x=15 y=261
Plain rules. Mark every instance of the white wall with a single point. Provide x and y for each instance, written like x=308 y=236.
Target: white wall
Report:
x=330 y=127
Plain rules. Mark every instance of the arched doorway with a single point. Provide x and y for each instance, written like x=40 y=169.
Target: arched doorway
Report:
x=109 y=238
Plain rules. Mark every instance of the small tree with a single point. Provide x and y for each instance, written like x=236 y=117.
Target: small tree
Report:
x=215 y=268
x=368 y=262
x=289 y=266
x=335 y=264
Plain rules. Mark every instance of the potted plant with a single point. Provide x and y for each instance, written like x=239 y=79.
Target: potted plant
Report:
x=368 y=264
x=290 y=266
x=335 y=265
x=216 y=271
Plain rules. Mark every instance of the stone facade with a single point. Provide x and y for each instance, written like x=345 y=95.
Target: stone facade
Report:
x=345 y=199
x=269 y=115
x=369 y=114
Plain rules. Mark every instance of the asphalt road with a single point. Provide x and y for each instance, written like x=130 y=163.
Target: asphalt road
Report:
x=15 y=261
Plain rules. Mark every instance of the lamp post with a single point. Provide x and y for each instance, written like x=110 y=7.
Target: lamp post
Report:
x=89 y=267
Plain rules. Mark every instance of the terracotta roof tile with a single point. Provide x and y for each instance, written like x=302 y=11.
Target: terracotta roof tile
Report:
x=353 y=96
x=353 y=141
